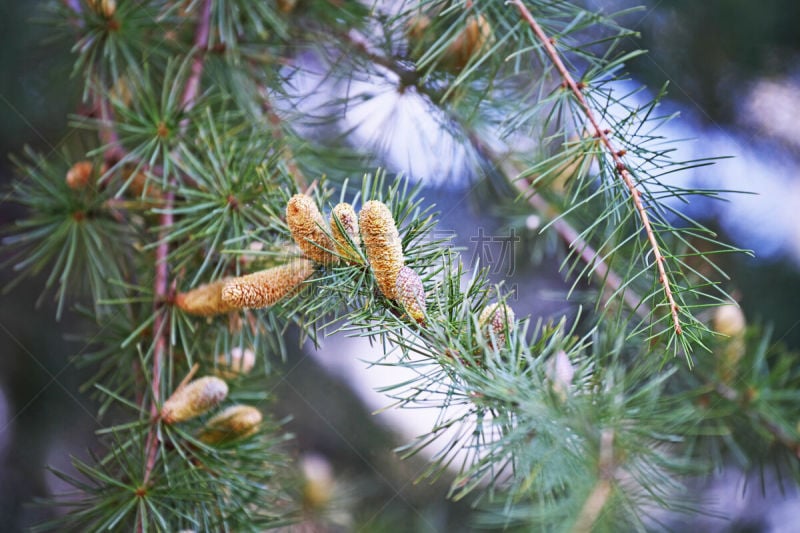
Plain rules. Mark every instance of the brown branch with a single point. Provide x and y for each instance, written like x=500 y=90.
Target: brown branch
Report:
x=108 y=134
x=616 y=156
x=201 y=34
x=161 y=287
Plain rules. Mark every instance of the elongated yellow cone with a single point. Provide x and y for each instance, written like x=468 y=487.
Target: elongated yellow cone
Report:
x=306 y=223
x=266 y=287
x=383 y=246
x=235 y=422
x=194 y=399
x=205 y=300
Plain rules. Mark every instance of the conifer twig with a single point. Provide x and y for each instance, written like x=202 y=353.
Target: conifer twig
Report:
x=161 y=285
x=621 y=167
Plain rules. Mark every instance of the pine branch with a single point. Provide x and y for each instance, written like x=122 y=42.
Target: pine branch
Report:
x=166 y=219
x=551 y=417
x=622 y=169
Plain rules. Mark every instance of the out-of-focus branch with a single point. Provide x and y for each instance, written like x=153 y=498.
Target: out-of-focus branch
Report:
x=594 y=504
x=608 y=278
x=286 y=154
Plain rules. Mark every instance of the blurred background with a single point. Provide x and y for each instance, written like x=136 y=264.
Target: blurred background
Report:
x=733 y=71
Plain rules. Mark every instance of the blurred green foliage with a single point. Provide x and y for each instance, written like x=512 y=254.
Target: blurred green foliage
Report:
x=710 y=49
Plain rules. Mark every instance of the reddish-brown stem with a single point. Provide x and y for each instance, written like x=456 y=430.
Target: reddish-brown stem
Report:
x=108 y=135
x=616 y=155
x=161 y=287
x=160 y=326
x=200 y=44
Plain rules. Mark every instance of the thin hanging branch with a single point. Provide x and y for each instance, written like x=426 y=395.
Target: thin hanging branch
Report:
x=616 y=155
x=161 y=285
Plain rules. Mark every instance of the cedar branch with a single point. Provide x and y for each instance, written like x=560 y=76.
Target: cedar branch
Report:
x=161 y=285
x=622 y=169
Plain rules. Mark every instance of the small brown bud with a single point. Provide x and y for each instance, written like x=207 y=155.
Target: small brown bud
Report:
x=79 y=175
x=348 y=220
x=383 y=246
x=266 y=287
x=467 y=44
x=306 y=223
x=107 y=8
x=411 y=293
x=417 y=29
x=194 y=399
x=235 y=422
x=237 y=363
x=286 y=6
x=140 y=186
x=498 y=317
x=205 y=300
